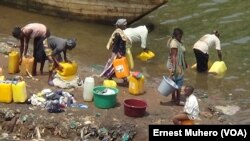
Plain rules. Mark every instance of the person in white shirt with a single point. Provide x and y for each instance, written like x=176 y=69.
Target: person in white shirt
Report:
x=139 y=34
x=191 y=107
x=201 y=50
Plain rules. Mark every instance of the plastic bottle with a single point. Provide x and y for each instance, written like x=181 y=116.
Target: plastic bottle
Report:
x=88 y=87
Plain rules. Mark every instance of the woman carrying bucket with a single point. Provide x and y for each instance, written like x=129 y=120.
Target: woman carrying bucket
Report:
x=176 y=62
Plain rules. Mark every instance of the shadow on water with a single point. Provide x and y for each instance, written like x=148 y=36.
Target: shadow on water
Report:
x=194 y=17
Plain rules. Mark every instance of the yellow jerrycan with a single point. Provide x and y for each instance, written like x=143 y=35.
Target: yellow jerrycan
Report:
x=218 y=67
x=5 y=92
x=129 y=58
x=27 y=65
x=136 y=85
x=13 y=66
x=121 y=67
x=1 y=75
x=69 y=69
x=19 y=92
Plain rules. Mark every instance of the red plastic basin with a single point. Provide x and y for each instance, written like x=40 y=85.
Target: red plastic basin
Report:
x=134 y=107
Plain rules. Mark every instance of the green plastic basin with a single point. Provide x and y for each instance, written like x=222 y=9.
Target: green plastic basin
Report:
x=102 y=100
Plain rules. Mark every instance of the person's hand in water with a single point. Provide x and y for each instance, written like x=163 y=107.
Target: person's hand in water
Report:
x=146 y=50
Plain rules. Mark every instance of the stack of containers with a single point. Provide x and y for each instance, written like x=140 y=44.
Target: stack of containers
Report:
x=13 y=91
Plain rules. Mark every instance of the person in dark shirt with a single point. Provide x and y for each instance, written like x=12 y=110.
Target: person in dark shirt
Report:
x=53 y=47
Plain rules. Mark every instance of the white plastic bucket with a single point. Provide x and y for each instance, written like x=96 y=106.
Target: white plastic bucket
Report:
x=167 y=86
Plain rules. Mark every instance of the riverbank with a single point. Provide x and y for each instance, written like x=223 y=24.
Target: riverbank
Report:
x=27 y=119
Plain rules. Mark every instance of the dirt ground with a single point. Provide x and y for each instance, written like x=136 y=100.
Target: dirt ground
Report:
x=58 y=126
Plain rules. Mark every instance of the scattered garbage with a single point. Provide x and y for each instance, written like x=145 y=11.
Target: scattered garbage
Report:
x=53 y=101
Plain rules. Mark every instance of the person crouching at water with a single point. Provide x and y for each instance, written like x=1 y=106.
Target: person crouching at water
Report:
x=191 y=107
x=39 y=32
x=117 y=43
x=53 y=47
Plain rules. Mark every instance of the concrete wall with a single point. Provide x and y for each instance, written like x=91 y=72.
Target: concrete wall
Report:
x=105 y=11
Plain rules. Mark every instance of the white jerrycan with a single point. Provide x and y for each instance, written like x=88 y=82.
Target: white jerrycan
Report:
x=88 y=87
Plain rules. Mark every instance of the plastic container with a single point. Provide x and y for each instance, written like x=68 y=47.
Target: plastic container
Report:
x=27 y=65
x=134 y=107
x=19 y=92
x=105 y=101
x=88 y=86
x=187 y=122
x=5 y=92
x=121 y=67
x=13 y=64
x=144 y=56
x=136 y=86
x=167 y=86
x=69 y=69
x=129 y=57
x=109 y=83
x=218 y=67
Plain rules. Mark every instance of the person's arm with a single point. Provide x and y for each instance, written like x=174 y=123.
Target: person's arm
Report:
x=144 y=41
x=218 y=47
x=219 y=55
x=26 y=47
x=173 y=55
x=187 y=66
x=65 y=56
x=27 y=39
x=21 y=50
